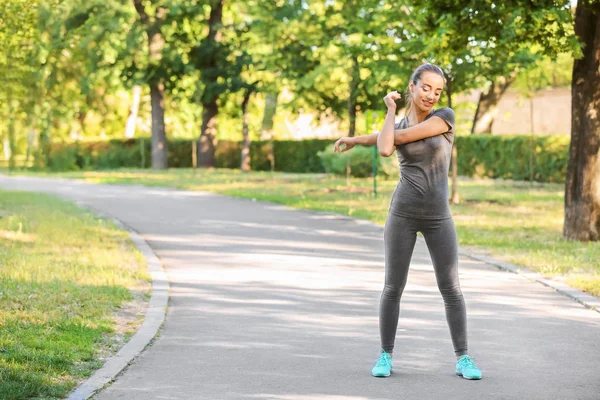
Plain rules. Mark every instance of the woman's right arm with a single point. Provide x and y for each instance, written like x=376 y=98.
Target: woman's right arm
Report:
x=384 y=139
x=350 y=142
x=366 y=140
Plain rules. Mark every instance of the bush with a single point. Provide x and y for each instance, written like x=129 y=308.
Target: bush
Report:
x=290 y=155
x=486 y=156
x=361 y=162
x=299 y=155
x=118 y=154
x=508 y=157
x=63 y=158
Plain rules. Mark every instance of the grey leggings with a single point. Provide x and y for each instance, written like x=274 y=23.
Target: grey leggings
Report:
x=400 y=236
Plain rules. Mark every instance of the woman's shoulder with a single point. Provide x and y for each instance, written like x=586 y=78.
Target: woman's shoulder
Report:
x=444 y=110
x=447 y=114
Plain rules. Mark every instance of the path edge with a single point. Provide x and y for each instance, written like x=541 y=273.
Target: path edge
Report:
x=154 y=318
x=577 y=295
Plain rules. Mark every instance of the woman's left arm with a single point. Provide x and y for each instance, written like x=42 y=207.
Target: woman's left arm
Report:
x=430 y=127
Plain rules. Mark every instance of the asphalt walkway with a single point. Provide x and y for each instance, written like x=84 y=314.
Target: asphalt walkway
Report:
x=272 y=303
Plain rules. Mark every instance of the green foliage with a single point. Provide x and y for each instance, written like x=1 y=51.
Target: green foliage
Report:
x=507 y=157
x=356 y=45
x=64 y=158
x=488 y=156
x=475 y=42
x=117 y=153
x=545 y=73
x=83 y=55
x=299 y=156
x=290 y=155
x=360 y=159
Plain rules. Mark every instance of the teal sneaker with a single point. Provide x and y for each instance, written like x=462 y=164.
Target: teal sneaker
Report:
x=466 y=368
x=384 y=366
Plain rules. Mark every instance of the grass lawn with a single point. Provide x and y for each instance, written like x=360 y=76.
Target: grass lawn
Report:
x=64 y=274
x=512 y=221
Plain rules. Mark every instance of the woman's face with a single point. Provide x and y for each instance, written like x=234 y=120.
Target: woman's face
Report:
x=426 y=93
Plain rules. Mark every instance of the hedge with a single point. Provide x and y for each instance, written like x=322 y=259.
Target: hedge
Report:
x=489 y=156
x=508 y=156
x=290 y=156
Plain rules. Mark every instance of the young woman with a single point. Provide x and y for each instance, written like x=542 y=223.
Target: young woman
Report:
x=423 y=140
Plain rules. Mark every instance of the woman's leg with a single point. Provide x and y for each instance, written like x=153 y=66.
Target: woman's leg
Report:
x=442 y=242
x=400 y=235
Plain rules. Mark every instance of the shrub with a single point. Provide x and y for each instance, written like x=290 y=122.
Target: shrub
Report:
x=361 y=162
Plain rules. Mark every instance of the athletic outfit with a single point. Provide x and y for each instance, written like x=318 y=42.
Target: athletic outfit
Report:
x=420 y=204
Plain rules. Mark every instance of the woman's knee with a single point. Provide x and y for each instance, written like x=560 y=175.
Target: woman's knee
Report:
x=452 y=294
x=393 y=292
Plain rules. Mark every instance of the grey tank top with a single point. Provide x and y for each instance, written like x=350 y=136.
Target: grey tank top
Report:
x=422 y=191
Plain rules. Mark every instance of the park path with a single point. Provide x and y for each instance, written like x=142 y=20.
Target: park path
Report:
x=272 y=303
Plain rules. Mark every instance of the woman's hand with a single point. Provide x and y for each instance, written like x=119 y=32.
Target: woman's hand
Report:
x=389 y=100
x=348 y=141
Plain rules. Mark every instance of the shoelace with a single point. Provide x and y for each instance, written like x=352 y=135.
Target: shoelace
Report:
x=383 y=361
x=467 y=362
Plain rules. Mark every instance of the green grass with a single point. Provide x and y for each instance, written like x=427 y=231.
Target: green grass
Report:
x=513 y=221
x=63 y=275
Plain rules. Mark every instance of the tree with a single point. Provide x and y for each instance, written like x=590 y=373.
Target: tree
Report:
x=286 y=55
x=529 y=68
x=582 y=187
x=488 y=102
x=358 y=49
x=152 y=16
x=251 y=47
x=18 y=30
x=209 y=56
x=475 y=40
x=245 y=156
x=97 y=57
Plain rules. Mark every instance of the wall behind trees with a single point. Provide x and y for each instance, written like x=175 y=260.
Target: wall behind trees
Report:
x=551 y=115
x=551 y=112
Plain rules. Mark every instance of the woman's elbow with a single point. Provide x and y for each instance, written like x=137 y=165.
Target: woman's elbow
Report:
x=386 y=152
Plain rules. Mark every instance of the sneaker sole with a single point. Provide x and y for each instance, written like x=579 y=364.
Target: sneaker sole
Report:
x=381 y=375
x=466 y=377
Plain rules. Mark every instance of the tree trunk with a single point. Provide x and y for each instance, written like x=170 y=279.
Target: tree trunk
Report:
x=531 y=139
x=206 y=154
x=266 y=131
x=245 y=164
x=31 y=134
x=12 y=143
x=156 y=43
x=5 y=134
x=44 y=139
x=352 y=102
x=455 y=198
x=6 y=147
x=487 y=107
x=206 y=150
x=582 y=187
x=81 y=119
x=159 y=137
x=133 y=112
x=353 y=95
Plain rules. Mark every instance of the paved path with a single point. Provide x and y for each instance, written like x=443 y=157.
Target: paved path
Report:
x=277 y=304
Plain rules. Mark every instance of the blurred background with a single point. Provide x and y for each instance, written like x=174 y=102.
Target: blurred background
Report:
x=75 y=70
